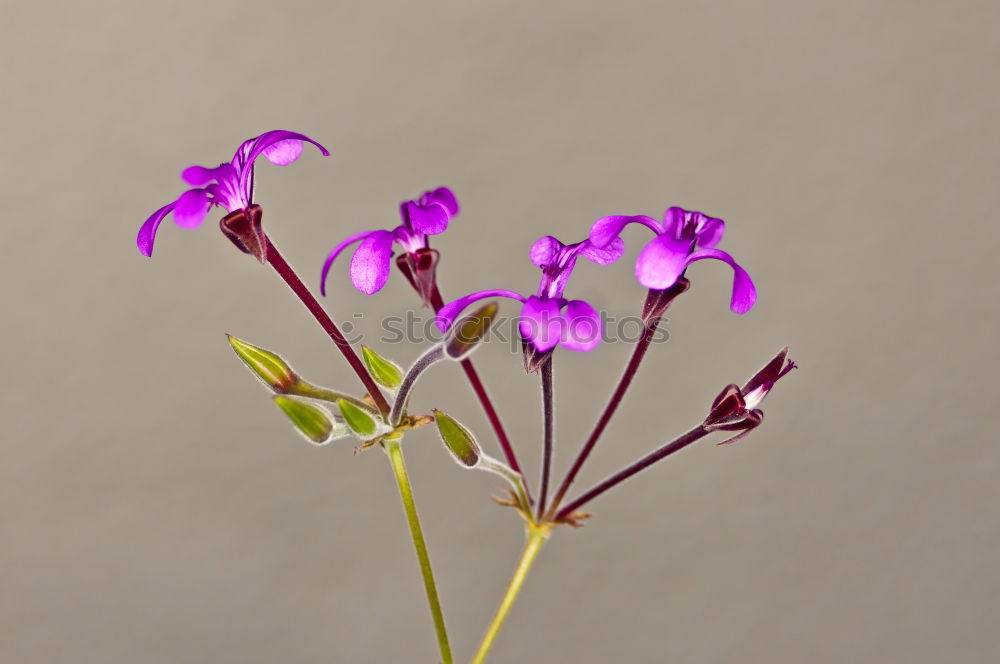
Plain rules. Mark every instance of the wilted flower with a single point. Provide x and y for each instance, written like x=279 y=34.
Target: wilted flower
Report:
x=683 y=238
x=547 y=318
x=230 y=185
x=735 y=409
x=428 y=215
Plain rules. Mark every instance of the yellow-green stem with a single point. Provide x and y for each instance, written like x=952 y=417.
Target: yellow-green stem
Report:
x=536 y=538
x=395 y=452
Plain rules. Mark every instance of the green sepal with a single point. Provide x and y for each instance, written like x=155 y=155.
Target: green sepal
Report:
x=313 y=422
x=459 y=440
x=386 y=373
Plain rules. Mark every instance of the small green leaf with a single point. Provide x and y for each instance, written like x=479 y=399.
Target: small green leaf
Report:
x=466 y=334
x=359 y=420
x=268 y=367
x=313 y=422
x=385 y=372
x=459 y=440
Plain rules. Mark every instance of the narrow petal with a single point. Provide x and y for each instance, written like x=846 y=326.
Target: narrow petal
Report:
x=444 y=196
x=328 y=263
x=605 y=255
x=449 y=312
x=661 y=262
x=428 y=219
x=192 y=206
x=544 y=251
x=606 y=229
x=744 y=292
x=581 y=326
x=371 y=262
x=541 y=323
x=147 y=232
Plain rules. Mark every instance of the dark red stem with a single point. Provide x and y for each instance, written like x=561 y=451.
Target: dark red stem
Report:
x=547 y=440
x=484 y=398
x=678 y=444
x=638 y=352
x=288 y=274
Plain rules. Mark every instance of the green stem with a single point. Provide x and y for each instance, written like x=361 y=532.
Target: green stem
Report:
x=395 y=452
x=536 y=537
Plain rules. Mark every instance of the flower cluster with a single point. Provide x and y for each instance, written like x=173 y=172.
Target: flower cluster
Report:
x=548 y=319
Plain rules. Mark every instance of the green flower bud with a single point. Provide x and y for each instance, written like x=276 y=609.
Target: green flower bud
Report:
x=386 y=373
x=268 y=367
x=317 y=425
x=459 y=440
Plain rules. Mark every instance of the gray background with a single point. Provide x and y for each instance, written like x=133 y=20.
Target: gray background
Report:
x=157 y=508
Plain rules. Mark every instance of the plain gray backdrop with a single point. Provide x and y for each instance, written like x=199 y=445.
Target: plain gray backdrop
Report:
x=155 y=506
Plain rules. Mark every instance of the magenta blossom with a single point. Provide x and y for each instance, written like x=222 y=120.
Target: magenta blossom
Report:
x=683 y=238
x=428 y=215
x=229 y=186
x=547 y=318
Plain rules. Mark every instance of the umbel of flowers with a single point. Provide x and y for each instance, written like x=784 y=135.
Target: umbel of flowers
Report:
x=380 y=416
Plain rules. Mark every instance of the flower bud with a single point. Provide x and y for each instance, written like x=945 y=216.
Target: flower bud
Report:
x=464 y=336
x=362 y=422
x=386 y=373
x=317 y=425
x=268 y=367
x=459 y=440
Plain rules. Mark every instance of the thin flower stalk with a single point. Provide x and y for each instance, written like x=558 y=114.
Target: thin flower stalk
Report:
x=286 y=272
x=548 y=433
x=675 y=445
x=536 y=537
x=395 y=451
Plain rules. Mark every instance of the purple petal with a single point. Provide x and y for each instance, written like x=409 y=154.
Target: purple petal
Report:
x=284 y=152
x=662 y=261
x=544 y=251
x=541 y=324
x=371 y=262
x=192 y=206
x=447 y=314
x=254 y=147
x=250 y=149
x=581 y=326
x=199 y=176
x=606 y=229
x=351 y=239
x=443 y=196
x=147 y=232
x=710 y=231
x=605 y=255
x=673 y=221
x=428 y=219
x=744 y=292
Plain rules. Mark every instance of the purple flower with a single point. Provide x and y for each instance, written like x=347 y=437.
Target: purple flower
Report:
x=547 y=318
x=683 y=238
x=230 y=185
x=428 y=215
